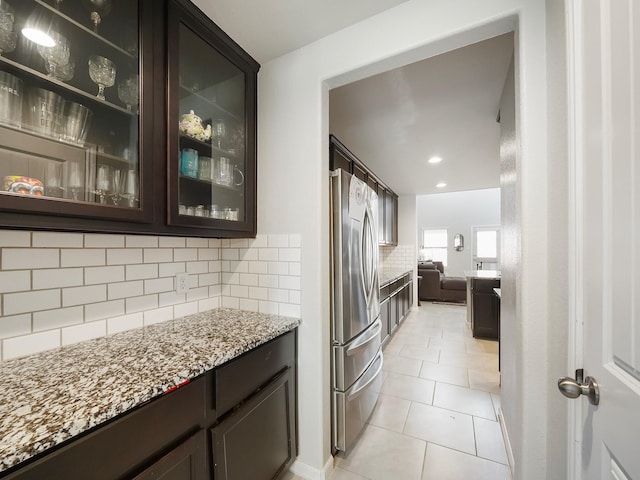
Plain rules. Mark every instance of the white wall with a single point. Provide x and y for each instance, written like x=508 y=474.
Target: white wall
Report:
x=459 y=212
x=293 y=184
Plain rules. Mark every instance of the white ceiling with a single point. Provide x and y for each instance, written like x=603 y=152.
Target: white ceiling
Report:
x=445 y=106
x=270 y=28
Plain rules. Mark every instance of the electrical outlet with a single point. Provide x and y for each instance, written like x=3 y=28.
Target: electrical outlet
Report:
x=182 y=282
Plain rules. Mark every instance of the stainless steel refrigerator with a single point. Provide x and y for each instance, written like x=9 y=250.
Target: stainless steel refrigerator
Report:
x=355 y=324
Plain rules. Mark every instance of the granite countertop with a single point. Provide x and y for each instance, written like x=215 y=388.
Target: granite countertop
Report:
x=50 y=397
x=389 y=275
x=492 y=274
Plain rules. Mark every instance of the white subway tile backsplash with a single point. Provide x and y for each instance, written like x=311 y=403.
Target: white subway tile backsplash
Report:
x=289 y=254
x=277 y=241
x=158 y=285
x=82 y=257
x=289 y=310
x=82 y=295
x=268 y=254
x=279 y=268
x=290 y=283
x=124 y=322
x=124 y=256
x=268 y=307
x=35 y=301
x=158 y=315
x=102 y=310
x=15 y=325
x=125 y=289
x=171 y=298
x=86 y=331
x=185 y=309
x=68 y=287
x=141 y=241
x=158 y=255
x=57 y=240
x=103 y=241
x=28 y=344
x=141 y=304
x=170 y=269
x=29 y=258
x=141 y=272
x=172 y=242
x=230 y=302
x=197 y=242
x=185 y=254
x=96 y=275
x=14 y=238
x=15 y=281
x=197 y=267
x=62 y=317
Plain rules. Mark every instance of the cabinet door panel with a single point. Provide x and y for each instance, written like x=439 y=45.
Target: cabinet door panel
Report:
x=257 y=441
x=185 y=462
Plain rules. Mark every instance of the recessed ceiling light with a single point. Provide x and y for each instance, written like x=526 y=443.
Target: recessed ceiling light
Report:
x=435 y=160
x=441 y=185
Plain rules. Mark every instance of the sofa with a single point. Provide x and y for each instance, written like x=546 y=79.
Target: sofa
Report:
x=436 y=286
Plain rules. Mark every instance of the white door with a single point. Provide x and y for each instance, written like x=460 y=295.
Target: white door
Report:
x=604 y=59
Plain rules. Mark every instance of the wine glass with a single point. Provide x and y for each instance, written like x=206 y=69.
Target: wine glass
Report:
x=56 y=56
x=8 y=41
x=104 y=181
x=103 y=72
x=61 y=72
x=75 y=179
x=219 y=130
x=98 y=9
x=118 y=186
x=131 y=187
x=128 y=91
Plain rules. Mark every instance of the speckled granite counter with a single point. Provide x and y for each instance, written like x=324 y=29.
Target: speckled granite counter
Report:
x=388 y=276
x=48 y=398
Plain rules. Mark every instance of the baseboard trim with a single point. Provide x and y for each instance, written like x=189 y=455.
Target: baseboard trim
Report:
x=308 y=472
x=507 y=442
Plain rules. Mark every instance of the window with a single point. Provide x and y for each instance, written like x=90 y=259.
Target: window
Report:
x=486 y=246
x=434 y=245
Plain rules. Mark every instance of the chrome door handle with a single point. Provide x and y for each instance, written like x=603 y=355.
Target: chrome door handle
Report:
x=571 y=388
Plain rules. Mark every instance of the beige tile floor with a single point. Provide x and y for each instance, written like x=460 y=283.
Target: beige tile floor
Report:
x=436 y=418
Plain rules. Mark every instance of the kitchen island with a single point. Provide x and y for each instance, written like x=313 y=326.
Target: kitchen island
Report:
x=482 y=304
x=52 y=397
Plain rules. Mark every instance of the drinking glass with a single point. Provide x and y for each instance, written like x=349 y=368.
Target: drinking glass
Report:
x=75 y=179
x=219 y=130
x=131 y=187
x=128 y=91
x=56 y=56
x=53 y=179
x=98 y=9
x=8 y=41
x=103 y=72
x=118 y=186
x=104 y=182
x=63 y=73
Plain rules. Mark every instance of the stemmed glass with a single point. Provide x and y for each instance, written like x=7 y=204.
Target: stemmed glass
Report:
x=75 y=182
x=8 y=37
x=131 y=187
x=118 y=186
x=56 y=57
x=61 y=72
x=219 y=130
x=98 y=9
x=103 y=72
x=128 y=91
x=104 y=182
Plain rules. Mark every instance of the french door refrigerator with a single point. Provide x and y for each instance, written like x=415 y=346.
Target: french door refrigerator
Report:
x=355 y=324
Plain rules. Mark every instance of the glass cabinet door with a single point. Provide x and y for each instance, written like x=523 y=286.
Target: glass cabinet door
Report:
x=70 y=84
x=210 y=174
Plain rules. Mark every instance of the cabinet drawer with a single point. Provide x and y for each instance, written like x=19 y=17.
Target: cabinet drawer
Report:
x=384 y=292
x=239 y=378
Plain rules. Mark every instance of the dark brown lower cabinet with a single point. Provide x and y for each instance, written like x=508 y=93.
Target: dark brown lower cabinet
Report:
x=187 y=461
x=235 y=422
x=257 y=441
x=384 y=318
x=484 y=308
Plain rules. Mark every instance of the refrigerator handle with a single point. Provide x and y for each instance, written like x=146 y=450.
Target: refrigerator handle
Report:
x=357 y=391
x=368 y=256
x=363 y=343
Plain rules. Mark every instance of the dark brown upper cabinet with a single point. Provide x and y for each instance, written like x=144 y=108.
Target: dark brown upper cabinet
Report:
x=211 y=127
x=89 y=126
